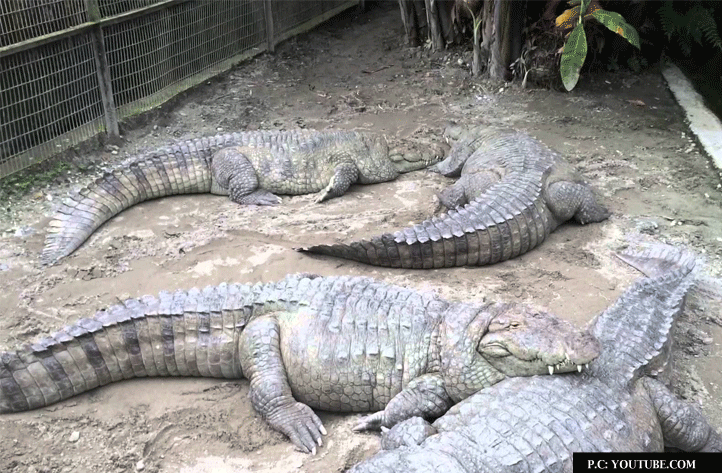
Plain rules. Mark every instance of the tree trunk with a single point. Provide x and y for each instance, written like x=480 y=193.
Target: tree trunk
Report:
x=432 y=18
x=509 y=18
x=476 y=60
x=408 y=17
x=487 y=32
x=449 y=32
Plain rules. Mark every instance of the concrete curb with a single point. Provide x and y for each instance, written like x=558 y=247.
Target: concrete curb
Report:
x=703 y=123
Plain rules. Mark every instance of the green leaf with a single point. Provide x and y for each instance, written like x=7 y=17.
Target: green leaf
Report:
x=575 y=52
x=615 y=22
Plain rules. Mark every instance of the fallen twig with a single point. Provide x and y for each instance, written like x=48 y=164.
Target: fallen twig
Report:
x=366 y=71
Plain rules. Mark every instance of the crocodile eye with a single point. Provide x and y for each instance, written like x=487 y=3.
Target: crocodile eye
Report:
x=514 y=324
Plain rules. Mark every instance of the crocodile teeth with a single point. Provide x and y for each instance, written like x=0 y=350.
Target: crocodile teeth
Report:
x=586 y=365
x=579 y=368
x=551 y=369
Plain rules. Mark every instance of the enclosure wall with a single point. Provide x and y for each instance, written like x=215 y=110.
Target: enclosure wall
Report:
x=71 y=69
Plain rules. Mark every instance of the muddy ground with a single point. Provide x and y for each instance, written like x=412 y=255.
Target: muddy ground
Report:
x=623 y=131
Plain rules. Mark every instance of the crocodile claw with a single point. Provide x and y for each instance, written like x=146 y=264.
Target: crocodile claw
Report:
x=302 y=426
x=373 y=421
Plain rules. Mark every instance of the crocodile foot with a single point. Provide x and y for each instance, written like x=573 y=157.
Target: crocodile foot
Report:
x=300 y=424
x=370 y=422
x=259 y=197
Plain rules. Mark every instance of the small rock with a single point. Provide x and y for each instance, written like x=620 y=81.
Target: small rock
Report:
x=649 y=227
x=4 y=267
x=24 y=231
x=140 y=466
x=74 y=437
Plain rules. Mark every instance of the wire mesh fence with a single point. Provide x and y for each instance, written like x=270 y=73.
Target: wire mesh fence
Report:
x=69 y=69
x=289 y=15
x=21 y=20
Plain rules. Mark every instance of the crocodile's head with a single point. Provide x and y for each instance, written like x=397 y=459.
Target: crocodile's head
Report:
x=479 y=347
x=466 y=142
x=525 y=342
x=409 y=155
x=452 y=165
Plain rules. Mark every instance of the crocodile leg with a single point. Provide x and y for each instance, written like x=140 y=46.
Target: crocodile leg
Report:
x=344 y=175
x=408 y=433
x=262 y=364
x=574 y=200
x=467 y=186
x=424 y=396
x=233 y=171
x=683 y=425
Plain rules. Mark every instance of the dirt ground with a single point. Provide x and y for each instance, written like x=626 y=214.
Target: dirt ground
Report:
x=624 y=132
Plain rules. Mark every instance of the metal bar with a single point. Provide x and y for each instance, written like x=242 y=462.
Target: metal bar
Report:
x=268 y=13
x=101 y=63
x=50 y=37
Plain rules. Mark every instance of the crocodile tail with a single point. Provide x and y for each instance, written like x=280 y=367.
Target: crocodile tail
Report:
x=193 y=333
x=180 y=169
x=184 y=333
x=636 y=331
x=507 y=221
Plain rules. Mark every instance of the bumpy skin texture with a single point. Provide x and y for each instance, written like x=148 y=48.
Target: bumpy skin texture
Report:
x=534 y=424
x=512 y=193
x=345 y=344
x=250 y=167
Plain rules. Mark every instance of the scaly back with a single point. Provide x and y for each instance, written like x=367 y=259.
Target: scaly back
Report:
x=635 y=331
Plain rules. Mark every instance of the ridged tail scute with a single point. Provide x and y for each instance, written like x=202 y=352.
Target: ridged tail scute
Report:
x=509 y=220
x=181 y=169
x=635 y=331
x=193 y=333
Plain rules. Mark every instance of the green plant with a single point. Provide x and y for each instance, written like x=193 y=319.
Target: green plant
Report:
x=575 y=49
x=477 y=21
x=696 y=25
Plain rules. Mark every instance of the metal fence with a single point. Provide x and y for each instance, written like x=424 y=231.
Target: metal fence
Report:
x=70 y=69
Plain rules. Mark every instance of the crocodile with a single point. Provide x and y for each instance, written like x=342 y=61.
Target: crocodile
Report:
x=513 y=192
x=344 y=344
x=621 y=403
x=250 y=167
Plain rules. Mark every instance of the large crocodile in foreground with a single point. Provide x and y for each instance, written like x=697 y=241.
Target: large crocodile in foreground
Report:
x=347 y=344
x=513 y=192
x=250 y=167
x=534 y=424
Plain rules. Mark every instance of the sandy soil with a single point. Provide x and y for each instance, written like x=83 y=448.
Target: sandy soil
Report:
x=354 y=73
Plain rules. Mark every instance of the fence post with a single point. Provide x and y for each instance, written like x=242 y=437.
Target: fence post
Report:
x=270 y=35
x=101 y=65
